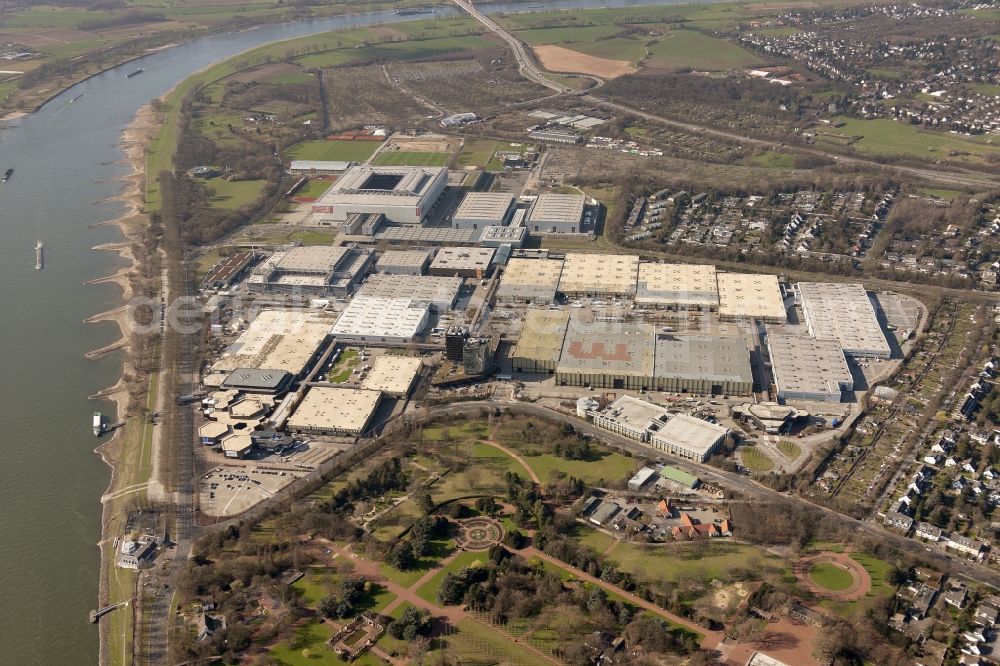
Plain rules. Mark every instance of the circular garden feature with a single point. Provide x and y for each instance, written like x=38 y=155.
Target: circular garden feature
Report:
x=478 y=533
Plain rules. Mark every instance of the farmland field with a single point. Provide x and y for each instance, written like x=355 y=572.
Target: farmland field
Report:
x=687 y=48
x=891 y=138
x=406 y=158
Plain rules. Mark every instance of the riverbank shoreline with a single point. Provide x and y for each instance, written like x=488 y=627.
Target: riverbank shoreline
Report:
x=135 y=140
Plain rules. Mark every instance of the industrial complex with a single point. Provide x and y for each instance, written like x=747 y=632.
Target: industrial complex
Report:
x=746 y=296
x=335 y=411
x=557 y=214
x=807 y=368
x=530 y=281
x=844 y=312
x=599 y=275
x=484 y=209
x=375 y=319
x=316 y=269
x=678 y=286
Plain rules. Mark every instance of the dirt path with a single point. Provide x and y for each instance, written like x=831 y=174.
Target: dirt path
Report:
x=516 y=456
x=710 y=640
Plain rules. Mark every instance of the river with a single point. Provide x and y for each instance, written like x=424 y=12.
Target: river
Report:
x=65 y=157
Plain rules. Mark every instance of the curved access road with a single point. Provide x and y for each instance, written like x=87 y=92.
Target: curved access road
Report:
x=530 y=70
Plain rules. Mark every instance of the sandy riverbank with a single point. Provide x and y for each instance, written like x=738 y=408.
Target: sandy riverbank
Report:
x=135 y=140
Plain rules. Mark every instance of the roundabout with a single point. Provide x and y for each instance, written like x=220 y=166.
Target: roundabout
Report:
x=833 y=576
x=478 y=533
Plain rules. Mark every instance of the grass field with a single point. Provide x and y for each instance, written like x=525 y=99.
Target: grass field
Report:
x=428 y=591
x=705 y=561
x=789 y=449
x=235 y=194
x=476 y=152
x=687 y=48
x=314 y=189
x=406 y=158
x=947 y=195
x=349 y=151
x=891 y=138
x=830 y=576
x=345 y=365
x=755 y=459
x=986 y=88
x=308 y=647
x=773 y=160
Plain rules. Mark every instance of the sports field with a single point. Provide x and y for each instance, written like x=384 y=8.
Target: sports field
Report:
x=406 y=158
x=830 y=576
x=349 y=151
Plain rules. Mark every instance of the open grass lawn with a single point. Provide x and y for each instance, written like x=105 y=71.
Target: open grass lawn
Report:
x=476 y=152
x=314 y=189
x=604 y=465
x=6 y=89
x=756 y=459
x=307 y=647
x=317 y=583
x=235 y=194
x=789 y=449
x=439 y=551
x=349 y=151
x=878 y=570
x=773 y=160
x=405 y=50
x=986 y=88
x=891 y=138
x=687 y=48
x=312 y=237
x=830 y=576
x=428 y=591
x=593 y=538
x=476 y=643
x=947 y=195
x=406 y=158
x=705 y=560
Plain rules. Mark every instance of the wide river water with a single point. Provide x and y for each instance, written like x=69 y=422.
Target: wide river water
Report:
x=50 y=480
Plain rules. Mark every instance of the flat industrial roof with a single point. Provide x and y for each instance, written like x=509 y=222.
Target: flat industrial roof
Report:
x=421 y=288
x=682 y=285
x=403 y=258
x=806 y=364
x=542 y=335
x=613 y=348
x=484 y=206
x=690 y=433
x=228 y=267
x=724 y=358
x=634 y=413
x=392 y=373
x=609 y=273
x=557 y=208
x=844 y=312
x=277 y=340
x=415 y=234
x=264 y=379
x=213 y=429
x=538 y=278
x=372 y=316
x=332 y=408
x=312 y=258
x=750 y=295
x=463 y=259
